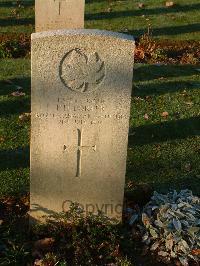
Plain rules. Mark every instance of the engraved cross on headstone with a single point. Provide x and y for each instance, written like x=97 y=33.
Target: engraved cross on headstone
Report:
x=80 y=149
x=59 y=3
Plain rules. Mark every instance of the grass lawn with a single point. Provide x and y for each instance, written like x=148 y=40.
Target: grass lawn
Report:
x=14 y=140
x=163 y=151
x=180 y=22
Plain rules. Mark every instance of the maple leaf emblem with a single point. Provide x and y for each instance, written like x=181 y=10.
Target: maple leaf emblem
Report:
x=80 y=72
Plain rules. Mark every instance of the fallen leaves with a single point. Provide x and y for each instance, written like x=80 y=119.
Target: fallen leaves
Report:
x=146 y=117
x=141 y=5
x=2 y=139
x=109 y=10
x=165 y=114
x=13 y=206
x=189 y=103
x=171 y=52
x=139 y=53
x=169 y=4
x=18 y=94
x=196 y=252
x=25 y=117
x=184 y=93
x=145 y=219
x=42 y=245
x=38 y=263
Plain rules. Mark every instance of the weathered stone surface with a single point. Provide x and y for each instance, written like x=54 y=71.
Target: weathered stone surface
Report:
x=81 y=93
x=59 y=14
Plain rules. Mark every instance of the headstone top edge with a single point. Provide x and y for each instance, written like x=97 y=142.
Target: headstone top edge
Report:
x=86 y=32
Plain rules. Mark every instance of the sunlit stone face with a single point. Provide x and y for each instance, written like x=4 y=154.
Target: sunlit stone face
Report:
x=81 y=92
x=59 y=14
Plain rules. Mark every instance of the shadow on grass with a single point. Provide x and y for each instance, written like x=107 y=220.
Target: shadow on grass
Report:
x=159 y=77
x=8 y=86
x=162 y=88
x=14 y=159
x=16 y=21
x=165 y=131
x=140 y=12
x=153 y=168
x=190 y=182
x=171 y=30
x=166 y=30
x=14 y=4
x=14 y=106
x=161 y=172
x=177 y=29
x=145 y=72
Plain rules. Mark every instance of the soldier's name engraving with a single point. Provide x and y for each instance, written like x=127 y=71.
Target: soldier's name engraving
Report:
x=74 y=105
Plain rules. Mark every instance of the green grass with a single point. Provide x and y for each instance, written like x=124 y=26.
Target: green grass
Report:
x=163 y=152
x=14 y=135
x=180 y=22
x=14 y=19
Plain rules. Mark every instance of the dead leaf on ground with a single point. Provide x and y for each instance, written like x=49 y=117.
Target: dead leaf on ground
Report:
x=141 y=5
x=130 y=184
x=139 y=53
x=109 y=10
x=189 y=103
x=38 y=262
x=196 y=252
x=25 y=117
x=164 y=114
x=18 y=94
x=2 y=139
x=138 y=98
x=169 y=4
x=44 y=244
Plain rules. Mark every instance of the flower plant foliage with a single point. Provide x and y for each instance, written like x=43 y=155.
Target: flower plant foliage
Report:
x=172 y=224
x=80 y=239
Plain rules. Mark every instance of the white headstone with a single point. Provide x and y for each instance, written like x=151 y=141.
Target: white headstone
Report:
x=59 y=14
x=81 y=94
